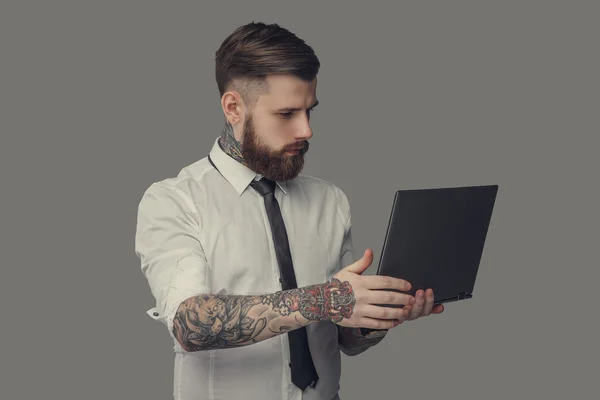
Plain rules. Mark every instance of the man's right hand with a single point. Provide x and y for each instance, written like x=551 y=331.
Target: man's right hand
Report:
x=360 y=297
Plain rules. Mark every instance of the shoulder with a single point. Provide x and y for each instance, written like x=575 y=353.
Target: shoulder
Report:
x=320 y=187
x=177 y=189
x=318 y=184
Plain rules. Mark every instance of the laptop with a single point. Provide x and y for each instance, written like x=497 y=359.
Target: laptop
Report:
x=435 y=239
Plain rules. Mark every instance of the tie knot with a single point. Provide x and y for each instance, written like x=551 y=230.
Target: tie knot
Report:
x=263 y=186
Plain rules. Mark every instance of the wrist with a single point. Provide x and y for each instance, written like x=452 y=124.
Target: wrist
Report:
x=337 y=303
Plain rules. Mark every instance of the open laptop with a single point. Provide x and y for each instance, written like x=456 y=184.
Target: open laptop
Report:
x=435 y=239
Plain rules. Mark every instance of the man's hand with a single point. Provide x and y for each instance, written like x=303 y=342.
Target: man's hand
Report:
x=423 y=306
x=356 y=297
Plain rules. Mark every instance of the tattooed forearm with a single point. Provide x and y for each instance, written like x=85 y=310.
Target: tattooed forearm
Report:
x=224 y=321
x=333 y=301
x=230 y=145
x=353 y=343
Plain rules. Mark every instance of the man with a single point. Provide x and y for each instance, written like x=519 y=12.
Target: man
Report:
x=250 y=261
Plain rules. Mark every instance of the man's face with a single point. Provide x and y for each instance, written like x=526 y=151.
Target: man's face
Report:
x=276 y=132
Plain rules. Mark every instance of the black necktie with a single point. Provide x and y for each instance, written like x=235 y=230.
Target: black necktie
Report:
x=303 y=369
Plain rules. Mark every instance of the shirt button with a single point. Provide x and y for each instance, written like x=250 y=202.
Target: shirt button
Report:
x=290 y=365
x=155 y=314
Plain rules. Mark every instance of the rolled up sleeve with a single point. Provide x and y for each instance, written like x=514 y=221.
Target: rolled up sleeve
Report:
x=167 y=243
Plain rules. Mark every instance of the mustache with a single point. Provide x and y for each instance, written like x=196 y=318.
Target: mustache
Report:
x=302 y=146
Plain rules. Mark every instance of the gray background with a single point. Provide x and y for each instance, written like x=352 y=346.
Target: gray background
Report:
x=100 y=99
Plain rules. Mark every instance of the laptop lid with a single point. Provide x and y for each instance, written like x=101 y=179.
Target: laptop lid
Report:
x=435 y=239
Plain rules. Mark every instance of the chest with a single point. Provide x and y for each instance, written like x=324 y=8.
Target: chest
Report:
x=237 y=241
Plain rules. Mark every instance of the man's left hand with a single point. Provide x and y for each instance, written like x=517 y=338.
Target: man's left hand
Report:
x=423 y=305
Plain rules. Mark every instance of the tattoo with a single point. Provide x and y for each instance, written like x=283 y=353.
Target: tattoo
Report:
x=224 y=321
x=352 y=342
x=332 y=302
x=230 y=145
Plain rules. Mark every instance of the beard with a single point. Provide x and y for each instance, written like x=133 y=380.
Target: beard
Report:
x=272 y=164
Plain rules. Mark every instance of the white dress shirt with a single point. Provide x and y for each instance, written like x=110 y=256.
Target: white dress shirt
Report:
x=206 y=231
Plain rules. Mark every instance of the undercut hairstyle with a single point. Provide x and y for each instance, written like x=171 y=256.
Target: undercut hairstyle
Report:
x=256 y=50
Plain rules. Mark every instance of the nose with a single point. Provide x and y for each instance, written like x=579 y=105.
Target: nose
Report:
x=304 y=130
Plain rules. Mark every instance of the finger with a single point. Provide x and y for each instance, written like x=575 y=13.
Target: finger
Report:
x=418 y=306
x=437 y=309
x=378 y=312
x=373 y=323
x=428 y=306
x=385 y=297
x=385 y=282
x=398 y=322
x=360 y=265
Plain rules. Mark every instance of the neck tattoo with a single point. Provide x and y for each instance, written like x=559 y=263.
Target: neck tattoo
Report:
x=230 y=145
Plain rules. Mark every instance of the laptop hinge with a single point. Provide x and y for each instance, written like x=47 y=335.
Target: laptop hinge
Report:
x=464 y=295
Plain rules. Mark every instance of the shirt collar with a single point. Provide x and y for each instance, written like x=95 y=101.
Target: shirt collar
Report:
x=236 y=173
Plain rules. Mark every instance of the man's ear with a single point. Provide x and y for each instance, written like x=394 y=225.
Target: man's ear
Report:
x=233 y=107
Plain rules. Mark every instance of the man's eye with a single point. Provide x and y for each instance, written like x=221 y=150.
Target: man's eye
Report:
x=288 y=115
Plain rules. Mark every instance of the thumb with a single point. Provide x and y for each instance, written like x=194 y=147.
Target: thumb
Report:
x=361 y=265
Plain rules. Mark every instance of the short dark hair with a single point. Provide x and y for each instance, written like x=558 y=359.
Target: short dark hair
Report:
x=256 y=50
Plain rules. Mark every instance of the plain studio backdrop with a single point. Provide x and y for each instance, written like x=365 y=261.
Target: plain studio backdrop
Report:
x=100 y=99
